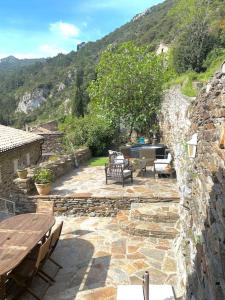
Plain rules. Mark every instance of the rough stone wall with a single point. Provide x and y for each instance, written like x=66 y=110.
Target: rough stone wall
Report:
x=8 y=173
x=25 y=187
x=89 y=206
x=52 y=143
x=201 y=245
x=82 y=155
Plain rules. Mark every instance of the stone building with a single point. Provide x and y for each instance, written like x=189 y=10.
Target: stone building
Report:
x=162 y=48
x=52 y=138
x=17 y=149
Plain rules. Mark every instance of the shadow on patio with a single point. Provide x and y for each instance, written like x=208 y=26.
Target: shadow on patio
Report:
x=80 y=270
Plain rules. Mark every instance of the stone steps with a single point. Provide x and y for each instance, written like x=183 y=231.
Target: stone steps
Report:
x=157 y=212
x=146 y=228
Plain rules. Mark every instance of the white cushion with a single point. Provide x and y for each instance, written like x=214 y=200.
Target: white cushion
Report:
x=126 y=172
x=161 y=167
x=119 y=157
x=167 y=160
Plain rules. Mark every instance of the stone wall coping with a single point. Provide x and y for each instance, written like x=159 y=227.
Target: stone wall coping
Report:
x=55 y=197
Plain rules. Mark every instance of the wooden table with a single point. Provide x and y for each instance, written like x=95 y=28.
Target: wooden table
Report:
x=18 y=236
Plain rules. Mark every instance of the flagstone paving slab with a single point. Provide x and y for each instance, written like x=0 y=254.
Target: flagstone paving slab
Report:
x=97 y=256
x=90 y=182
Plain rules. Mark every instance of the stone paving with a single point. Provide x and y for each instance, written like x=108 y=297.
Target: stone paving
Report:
x=97 y=256
x=90 y=182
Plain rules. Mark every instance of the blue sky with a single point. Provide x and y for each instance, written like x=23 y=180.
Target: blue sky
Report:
x=43 y=28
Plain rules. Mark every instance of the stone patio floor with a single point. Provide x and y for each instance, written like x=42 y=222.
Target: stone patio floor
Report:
x=97 y=256
x=90 y=182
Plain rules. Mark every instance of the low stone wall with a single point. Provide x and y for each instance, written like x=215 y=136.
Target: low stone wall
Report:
x=82 y=155
x=26 y=186
x=88 y=206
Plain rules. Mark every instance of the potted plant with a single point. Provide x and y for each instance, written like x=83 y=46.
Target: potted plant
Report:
x=43 y=178
x=22 y=172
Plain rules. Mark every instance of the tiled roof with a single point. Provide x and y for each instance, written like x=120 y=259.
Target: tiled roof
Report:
x=11 y=138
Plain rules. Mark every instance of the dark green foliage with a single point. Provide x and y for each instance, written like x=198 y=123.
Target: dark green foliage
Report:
x=91 y=131
x=193 y=47
x=43 y=176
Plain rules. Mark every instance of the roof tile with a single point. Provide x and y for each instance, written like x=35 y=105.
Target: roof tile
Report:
x=11 y=138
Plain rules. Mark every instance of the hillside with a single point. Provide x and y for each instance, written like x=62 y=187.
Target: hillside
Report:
x=12 y=63
x=46 y=89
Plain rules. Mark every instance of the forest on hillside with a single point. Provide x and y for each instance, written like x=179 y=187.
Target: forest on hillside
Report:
x=194 y=30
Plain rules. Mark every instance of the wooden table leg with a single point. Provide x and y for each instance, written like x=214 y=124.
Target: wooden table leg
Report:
x=2 y=287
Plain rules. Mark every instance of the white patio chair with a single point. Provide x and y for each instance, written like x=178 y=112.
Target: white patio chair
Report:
x=164 y=166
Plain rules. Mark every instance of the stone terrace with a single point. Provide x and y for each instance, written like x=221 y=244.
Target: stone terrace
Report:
x=90 y=182
x=97 y=256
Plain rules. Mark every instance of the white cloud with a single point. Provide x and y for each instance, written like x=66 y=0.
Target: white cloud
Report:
x=66 y=30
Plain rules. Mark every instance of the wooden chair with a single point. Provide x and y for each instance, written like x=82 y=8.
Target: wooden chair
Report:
x=45 y=207
x=118 y=172
x=54 y=241
x=25 y=272
x=149 y=155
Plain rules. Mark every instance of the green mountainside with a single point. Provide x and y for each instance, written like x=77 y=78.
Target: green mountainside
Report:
x=12 y=63
x=47 y=88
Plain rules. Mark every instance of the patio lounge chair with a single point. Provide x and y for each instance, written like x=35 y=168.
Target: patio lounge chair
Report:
x=164 y=166
x=118 y=172
x=25 y=272
x=117 y=158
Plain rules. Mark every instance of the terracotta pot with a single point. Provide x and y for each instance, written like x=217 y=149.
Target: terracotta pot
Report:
x=43 y=188
x=22 y=174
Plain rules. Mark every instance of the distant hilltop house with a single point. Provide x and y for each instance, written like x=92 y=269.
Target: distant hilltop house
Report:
x=81 y=45
x=52 y=138
x=162 y=48
x=18 y=149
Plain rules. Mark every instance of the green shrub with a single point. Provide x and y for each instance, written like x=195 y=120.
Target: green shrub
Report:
x=91 y=131
x=43 y=175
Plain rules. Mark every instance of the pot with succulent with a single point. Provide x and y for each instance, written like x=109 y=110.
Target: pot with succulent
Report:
x=43 y=178
x=22 y=172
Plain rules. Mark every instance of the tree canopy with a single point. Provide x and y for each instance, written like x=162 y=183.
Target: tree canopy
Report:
x=129 y=84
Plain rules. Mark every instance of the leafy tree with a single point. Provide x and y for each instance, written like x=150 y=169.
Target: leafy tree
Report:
x=195 y=40
x=129 y=84
x=193 y=47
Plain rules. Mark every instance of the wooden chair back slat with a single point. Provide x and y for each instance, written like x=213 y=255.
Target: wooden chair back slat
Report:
x=45 y=207
x=55 y=237
x=43 y=252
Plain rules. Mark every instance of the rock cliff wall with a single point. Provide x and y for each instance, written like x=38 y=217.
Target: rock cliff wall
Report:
x=201 y=245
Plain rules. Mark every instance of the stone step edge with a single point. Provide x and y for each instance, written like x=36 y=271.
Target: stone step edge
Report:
x=130 y=228
x=157 y=218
